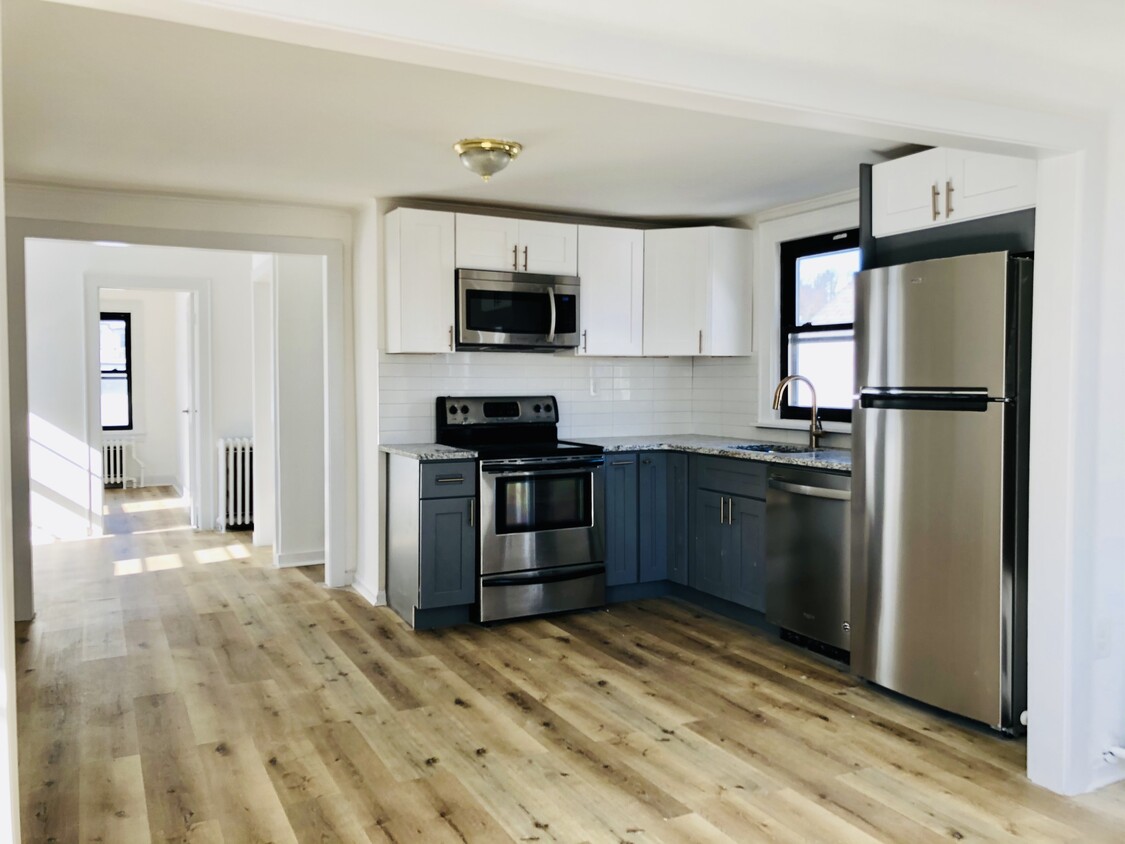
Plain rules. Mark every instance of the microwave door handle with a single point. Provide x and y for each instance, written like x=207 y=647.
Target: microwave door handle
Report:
x=551 y=299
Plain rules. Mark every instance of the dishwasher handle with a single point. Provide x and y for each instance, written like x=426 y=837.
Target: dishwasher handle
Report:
x=811 y=491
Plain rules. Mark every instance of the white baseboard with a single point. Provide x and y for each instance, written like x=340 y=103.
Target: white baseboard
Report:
x=372 y=596
x=298 y=558
x=163 y=480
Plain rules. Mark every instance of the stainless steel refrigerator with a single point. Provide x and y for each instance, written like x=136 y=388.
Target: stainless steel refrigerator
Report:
x=939 y=489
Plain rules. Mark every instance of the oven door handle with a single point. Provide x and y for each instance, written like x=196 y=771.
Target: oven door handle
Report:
x=509 y=470
x=551 y=299
x=552 y=575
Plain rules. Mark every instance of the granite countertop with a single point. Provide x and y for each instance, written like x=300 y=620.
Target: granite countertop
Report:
x=832 y=459
x=428 y=451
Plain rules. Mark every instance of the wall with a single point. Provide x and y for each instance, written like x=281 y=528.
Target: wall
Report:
x=156 y=372
x=299 y=524
x=265 y=489
x=185 y=376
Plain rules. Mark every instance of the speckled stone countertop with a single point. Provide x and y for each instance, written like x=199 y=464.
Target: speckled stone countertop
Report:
x=832 y=459
x=428 y=451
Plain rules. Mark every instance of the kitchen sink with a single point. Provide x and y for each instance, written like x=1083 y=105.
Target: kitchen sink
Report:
x=772 y=448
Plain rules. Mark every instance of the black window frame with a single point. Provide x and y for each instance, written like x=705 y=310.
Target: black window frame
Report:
x=790 y=252
x=126 y=317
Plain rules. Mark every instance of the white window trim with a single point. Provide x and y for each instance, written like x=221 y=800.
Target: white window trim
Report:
x=772 y=228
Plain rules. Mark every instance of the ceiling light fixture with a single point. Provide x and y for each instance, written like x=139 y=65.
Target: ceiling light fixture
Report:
x=485 y=156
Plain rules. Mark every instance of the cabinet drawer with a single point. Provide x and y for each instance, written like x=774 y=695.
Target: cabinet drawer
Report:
x=731 y=475
x=450 y=479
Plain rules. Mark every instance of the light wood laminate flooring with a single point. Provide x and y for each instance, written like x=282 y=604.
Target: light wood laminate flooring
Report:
x=176 y=687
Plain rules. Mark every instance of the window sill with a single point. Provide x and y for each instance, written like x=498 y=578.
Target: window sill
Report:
x=801 y=425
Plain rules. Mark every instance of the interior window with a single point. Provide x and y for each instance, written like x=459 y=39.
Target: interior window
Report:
x=117 y=372
x=817 y=323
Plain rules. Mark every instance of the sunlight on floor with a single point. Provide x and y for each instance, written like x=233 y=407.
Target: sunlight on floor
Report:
x=146 y=506
x=157 y=562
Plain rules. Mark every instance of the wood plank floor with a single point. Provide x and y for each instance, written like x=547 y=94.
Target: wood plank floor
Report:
x=174 y=687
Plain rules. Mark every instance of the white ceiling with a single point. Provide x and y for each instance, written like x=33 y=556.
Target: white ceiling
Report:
x=99 y=99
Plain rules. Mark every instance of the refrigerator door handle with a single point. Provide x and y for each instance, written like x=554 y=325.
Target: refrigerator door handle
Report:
x=927 y=398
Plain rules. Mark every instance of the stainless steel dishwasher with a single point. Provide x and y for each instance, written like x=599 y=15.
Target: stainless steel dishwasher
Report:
x=808 y=552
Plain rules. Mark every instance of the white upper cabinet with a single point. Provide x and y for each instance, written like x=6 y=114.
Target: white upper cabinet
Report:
x=942 y=186
x=505 y=243
x=419 y=272
x=611 y=266
x=697 y=292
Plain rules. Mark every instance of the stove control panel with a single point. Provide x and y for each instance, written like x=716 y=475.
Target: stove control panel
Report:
x=496 y=410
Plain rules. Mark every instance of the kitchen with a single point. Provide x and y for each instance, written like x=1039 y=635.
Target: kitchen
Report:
x=551 y=515
x=711 y=398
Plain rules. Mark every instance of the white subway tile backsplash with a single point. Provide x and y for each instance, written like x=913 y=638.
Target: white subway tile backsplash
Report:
x=596 y=396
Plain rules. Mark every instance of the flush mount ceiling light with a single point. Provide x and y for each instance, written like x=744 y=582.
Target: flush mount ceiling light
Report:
x=485 y=156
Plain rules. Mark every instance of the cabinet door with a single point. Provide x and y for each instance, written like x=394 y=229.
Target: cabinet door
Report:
x=728 y=327
x=902 y=193
x=611 y=266
x=706 y=570
x=663 y=517
x=447 y=558
x=984 y=184
x=620 y=519
x=487 y=243
x=744 y=553
x=676 y=270
x=548 y=248
x=419 y=270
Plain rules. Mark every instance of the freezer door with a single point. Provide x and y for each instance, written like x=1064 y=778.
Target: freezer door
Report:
x=934 y=324
x=929 y=566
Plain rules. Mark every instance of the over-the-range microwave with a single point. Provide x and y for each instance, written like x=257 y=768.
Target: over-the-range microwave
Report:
x=513 y=311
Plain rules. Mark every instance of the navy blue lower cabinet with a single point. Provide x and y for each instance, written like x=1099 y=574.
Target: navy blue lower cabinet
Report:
x=709 y=524
x=621 y=519
x=447 y=553
x=744 y=553
x=663 y=510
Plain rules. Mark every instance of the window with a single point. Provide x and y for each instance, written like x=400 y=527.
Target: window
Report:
x=817 y=319
x=117 y=372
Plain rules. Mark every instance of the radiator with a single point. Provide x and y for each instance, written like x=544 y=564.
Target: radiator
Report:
x=118 y=460
x=236 y=483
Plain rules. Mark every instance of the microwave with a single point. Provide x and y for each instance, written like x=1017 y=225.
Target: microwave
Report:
x=516 y=311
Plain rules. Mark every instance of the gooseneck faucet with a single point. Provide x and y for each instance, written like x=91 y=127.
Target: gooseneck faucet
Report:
x=815 y=431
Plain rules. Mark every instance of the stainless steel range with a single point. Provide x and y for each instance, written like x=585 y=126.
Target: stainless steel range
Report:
x=542 y=504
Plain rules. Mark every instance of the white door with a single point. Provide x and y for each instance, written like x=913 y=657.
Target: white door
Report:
x=487 y=243
x=611 y=266
x=908 y=193
x=547 y=248
x=186 y=392
x=676 y=266
x=980 y=184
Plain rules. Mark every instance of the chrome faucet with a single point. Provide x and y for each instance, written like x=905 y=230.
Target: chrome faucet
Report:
x=815 y=430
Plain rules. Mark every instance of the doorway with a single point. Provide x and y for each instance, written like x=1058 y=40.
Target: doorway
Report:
x=205 y=323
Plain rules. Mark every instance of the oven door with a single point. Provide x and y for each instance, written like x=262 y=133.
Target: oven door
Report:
x=541 y=513
x=506 y=309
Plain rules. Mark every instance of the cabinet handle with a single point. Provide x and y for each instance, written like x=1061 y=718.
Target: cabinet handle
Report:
x=948 y=198
x=701 y=341
x=583 y=341
x=472 y=512
x=451 y=338
x=525 y=259
x=516 y=255
x=452 y=479
x=722 y=511
x=933 y=199
x=621 y=463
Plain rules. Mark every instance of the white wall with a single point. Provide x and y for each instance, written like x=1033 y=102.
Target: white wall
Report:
x=156 y=371
x=265 y=489
x=65 y=473
x=299 y=425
